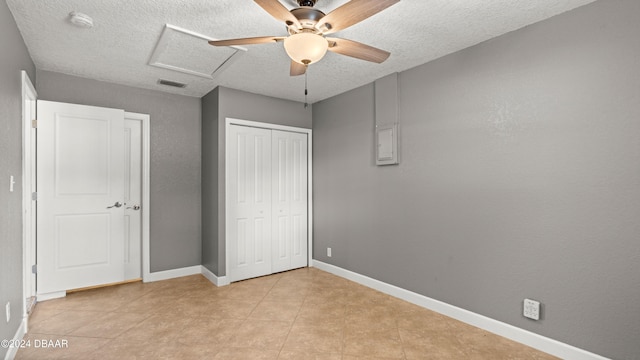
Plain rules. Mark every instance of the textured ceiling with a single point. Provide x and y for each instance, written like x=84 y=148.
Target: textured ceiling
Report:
x=120 y=46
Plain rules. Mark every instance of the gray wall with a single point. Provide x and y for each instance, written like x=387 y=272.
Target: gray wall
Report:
x=519 y=177
x=175 y=239
x=210 y=108
x=238 y=105
x=13 y=58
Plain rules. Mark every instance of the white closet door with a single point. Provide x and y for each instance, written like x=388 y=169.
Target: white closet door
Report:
x=289 y=174
x=249 y=217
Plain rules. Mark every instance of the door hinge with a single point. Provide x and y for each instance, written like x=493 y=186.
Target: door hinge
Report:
x=34 y=269
x=34 y=123
x=34 y=196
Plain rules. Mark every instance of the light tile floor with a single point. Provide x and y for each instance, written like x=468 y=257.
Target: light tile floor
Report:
x=296 y=315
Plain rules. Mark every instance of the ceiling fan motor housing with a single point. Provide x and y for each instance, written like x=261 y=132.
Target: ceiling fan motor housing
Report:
x=308 y=17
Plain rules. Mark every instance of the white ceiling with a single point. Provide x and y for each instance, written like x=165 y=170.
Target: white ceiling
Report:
x=119 y=47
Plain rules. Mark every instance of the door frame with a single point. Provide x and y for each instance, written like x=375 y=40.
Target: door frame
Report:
x=29 y=239
x=145 y=119
x=231 y=121
x=29 y=96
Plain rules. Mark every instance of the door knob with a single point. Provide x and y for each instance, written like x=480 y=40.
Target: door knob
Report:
x=134 y=207
x=117 y=204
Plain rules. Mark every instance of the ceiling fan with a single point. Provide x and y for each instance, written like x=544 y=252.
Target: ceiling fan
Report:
x=307 y=27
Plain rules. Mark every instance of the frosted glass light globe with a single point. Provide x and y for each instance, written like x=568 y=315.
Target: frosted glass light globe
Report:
x=305 y=48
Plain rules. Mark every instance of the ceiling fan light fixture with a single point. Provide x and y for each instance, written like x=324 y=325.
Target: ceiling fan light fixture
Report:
x=306 y=48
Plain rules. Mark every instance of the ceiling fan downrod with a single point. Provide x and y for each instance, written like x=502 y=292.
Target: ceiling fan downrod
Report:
x=309 y=3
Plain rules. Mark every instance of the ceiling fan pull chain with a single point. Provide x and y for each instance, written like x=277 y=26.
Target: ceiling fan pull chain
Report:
x=305 y=89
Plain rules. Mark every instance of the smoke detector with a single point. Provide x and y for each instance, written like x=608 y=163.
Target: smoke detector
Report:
x=81 y=20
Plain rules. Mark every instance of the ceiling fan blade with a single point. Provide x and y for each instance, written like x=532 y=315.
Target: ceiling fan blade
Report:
x=297 y=69
x=247 y=41
x=278 y=11
x=357 y=50
x=351 y=13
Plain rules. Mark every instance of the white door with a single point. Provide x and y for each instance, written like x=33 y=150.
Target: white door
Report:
x=132 y=196
x=249 y=218
x=289 y=198
x=80 y=221
x=267 y=205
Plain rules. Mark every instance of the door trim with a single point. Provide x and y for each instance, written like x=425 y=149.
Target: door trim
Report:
x=29 y=95
x=309 y=132
x=145 y=119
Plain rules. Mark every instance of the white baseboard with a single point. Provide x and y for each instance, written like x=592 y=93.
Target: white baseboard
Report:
x=545 y=344
x=172 y=274
x=22 y=330
x=51 y=296
x=217 y=281
x=186 y=271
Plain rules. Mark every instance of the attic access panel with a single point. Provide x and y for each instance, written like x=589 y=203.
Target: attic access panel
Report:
x=188 y=52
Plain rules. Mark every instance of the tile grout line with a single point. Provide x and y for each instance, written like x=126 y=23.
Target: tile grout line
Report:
x=247 y=318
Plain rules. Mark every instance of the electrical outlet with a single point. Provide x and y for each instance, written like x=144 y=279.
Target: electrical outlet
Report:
x=531 y=309
x=8 y=309
x=329 y=252
x=11 y=183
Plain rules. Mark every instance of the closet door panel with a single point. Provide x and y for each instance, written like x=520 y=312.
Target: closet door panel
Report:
x=249 y=217
x=289 y=167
